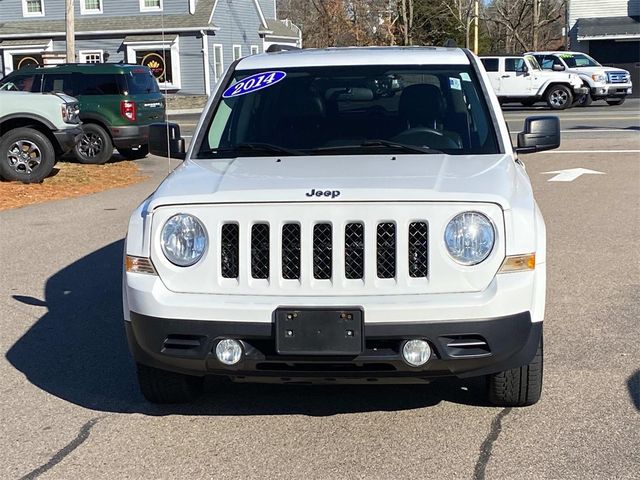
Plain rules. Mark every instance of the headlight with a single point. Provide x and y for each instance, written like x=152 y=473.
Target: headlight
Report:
x=469 y=238
x=70 y=112
x=184 y=240
x=599 y=77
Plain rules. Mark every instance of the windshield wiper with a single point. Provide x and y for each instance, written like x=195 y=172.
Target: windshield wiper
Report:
x=257 y=147
x=380 y=143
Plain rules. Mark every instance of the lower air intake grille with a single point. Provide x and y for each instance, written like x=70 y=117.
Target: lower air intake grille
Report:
x=354 y=251
x=418 y=244
x=291 y=251
x=260 y=251
x=229 y=244
x=386 y=250
x=322 y=251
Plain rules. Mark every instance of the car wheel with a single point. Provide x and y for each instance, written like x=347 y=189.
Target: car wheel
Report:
x=518 y=387
x=583 y=100
x=95 y=145
x=559 y=97
x=26 y=155
x=616 y=101
x=137 y=154
x=161 y=386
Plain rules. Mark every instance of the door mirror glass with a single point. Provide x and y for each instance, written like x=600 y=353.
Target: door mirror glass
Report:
x=539 y=134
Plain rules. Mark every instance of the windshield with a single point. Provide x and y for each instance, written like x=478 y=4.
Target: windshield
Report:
x=351 y=110
x=577 y=60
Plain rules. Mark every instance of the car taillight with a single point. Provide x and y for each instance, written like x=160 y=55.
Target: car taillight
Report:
x=128 y=110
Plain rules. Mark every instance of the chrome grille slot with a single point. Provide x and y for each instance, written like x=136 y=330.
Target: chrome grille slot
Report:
x=322 y=251
x=260 y=251
x=418 y=249
x=386 y=250
x=291 y=251
x=354 y=251
x=229 y=250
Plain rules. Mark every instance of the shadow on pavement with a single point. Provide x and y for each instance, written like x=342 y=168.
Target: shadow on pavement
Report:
x=78 y=352
x=634 y=389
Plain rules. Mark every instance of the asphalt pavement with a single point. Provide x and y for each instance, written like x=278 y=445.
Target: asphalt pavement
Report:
x=70 y=407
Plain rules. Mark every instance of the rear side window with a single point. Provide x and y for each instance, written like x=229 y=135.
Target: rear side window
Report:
x=101 y=84
x=22 y=83
x=514 y=65
x=59 y=83
x=490 y=64
x=142 y=82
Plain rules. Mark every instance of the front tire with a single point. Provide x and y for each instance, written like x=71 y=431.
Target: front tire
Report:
x=161 y=386
x=518 y=387
x=131 y=154
x=583 y=100
x=616 y=101
x=26 y=155
x=559 y=97
x=95 y=145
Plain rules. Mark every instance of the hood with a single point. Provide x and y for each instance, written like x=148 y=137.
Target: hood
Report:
x=598 y=70
x=476 y=178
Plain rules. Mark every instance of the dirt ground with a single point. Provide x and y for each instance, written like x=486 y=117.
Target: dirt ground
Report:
x=69 y=180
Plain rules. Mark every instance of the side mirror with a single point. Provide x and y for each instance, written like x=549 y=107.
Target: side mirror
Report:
x=558 y=68
x=165 y=140
x=539 y=134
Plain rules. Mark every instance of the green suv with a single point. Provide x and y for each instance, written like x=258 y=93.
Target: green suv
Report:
x=117 y=104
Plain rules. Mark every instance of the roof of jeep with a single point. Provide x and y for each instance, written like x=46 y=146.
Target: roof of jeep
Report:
x=82 y=68
x=356 y=56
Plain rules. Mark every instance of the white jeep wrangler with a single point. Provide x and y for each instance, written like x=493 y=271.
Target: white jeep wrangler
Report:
x=519 y=78
x=346 y=215
x=603 y=83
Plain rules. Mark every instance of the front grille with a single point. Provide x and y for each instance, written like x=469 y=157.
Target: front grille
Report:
x=386 y=250
x=354 y=251
x=319 y=257
x=260 y=251
x=229 y=251
x=291 y=251
x=617 y=77
x=322 y=251
x=418 y=244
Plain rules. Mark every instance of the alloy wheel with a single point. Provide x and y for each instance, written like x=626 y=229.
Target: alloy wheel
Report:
x=24 y=156
x=90 y=145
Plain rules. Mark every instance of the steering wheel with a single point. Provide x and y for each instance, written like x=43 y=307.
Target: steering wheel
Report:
x=427 y=137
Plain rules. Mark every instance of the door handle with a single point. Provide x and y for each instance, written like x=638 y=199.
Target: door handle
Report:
x=506 y=76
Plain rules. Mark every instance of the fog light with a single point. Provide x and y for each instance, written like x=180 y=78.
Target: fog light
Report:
x=416 y=352
x=229 y=351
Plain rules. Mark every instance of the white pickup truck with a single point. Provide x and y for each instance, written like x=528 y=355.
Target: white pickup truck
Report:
x=520 y=79
x=603 y=83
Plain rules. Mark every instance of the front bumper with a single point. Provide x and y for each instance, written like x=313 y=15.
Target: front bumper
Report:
x=68 y=138
x=186 y=346
x=612 y=90
x=580 y=90
x=129 y=136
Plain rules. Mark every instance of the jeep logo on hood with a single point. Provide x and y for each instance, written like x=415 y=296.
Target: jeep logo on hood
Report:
x=323 y=193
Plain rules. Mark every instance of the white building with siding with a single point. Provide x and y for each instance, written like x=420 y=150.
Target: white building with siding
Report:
x=195 y=40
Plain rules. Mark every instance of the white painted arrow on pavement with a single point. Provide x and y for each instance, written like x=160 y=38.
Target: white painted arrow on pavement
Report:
x=570 y=174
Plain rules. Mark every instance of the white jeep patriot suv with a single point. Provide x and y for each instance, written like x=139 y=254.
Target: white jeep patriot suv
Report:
x=342 y=215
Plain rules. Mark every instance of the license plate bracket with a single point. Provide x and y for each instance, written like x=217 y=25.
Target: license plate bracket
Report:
x=317 y=331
